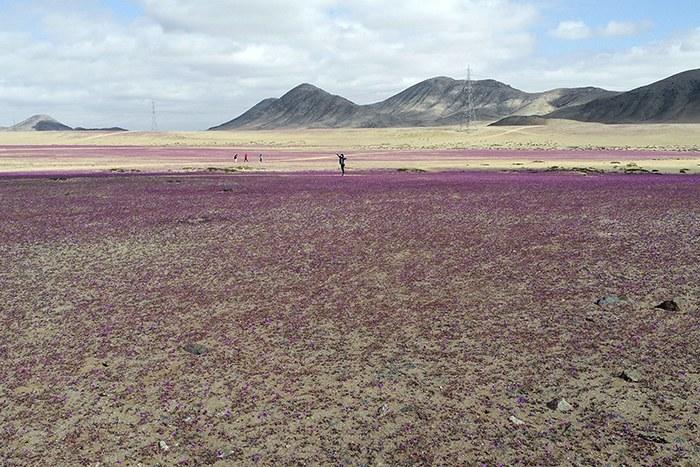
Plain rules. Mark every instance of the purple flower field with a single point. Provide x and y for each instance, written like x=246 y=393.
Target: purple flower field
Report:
x=378 y=318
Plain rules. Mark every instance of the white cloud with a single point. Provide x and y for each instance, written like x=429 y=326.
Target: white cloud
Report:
x=572 y=30
x=620 y=71
x=577 y=30
x=206 y=62
x=622 y=28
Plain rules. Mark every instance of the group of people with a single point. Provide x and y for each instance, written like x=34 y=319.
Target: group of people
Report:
x=341 y=160
x=245 y=157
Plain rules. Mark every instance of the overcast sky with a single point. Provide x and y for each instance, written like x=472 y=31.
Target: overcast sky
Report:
x=101 y=62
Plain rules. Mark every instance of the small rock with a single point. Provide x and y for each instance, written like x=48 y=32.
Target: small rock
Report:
x=633 y=376
x=383 y=410
x=654 y=438
x=163 y=446
x=566 y=428
x=224 y=453
x=195 y=349
x=516 y=421
x=668 y=305
x=560 y=405
x=198 y=220
x=608 y=300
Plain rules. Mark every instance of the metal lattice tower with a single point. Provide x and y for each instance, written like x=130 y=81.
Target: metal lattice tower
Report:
x=154 y=122
x=470 y=113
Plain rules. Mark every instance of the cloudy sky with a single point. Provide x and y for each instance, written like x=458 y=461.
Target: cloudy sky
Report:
x=203 y=62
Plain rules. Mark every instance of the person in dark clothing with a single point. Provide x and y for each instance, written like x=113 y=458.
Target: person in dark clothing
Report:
x=341 y=161
x=245 y=157
x=260 y=157
x=235 y=158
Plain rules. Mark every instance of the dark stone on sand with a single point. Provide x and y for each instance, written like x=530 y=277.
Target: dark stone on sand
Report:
x=633 y=376
x=654 y=438
x=195 y=349
x=608 y=300
x=668 y=305
x=560 y=405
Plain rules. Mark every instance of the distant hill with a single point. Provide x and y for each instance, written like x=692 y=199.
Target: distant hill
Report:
x=114 y=128
x=40 y=123
x=672 y=100
x=304 y=106
x=550 y=101
x=433 y=102
x=443 y=101
x=521 y=120
x=47 y=123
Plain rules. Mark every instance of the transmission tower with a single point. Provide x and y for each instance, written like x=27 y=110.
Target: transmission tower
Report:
x=154 y=122
x=470 y=114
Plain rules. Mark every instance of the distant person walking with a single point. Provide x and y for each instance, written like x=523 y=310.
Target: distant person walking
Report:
x=341 y=161
x=260 y=157
x=245 y=157
x=235 y=158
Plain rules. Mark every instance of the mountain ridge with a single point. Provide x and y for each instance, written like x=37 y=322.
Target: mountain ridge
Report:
x=673 y=99
x=435 y=101
x=442 y=100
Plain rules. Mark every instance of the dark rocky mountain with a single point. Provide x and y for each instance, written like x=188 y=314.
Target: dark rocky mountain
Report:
x=443 y=101
x=433 y=102
x=672 y=100
x=40 y=123
x=305 y=106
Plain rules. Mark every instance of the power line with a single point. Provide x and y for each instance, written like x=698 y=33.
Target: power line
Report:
x=470 y=113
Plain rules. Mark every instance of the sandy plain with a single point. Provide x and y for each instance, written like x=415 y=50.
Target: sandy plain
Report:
x=559 y=145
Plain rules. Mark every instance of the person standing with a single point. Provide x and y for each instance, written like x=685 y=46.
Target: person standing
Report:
x=235 y=158
x=341 y=161
x=260 y=157
x=245 y=157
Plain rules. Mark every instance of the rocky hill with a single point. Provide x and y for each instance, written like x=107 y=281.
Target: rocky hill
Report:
x=39 y=123
x=433 y=102
x=47 y=123
x=304 y=106
x=672 y=100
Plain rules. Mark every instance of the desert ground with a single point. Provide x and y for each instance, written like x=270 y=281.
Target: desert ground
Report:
x=558 y=134
x=559 y=146
x=455 y=305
